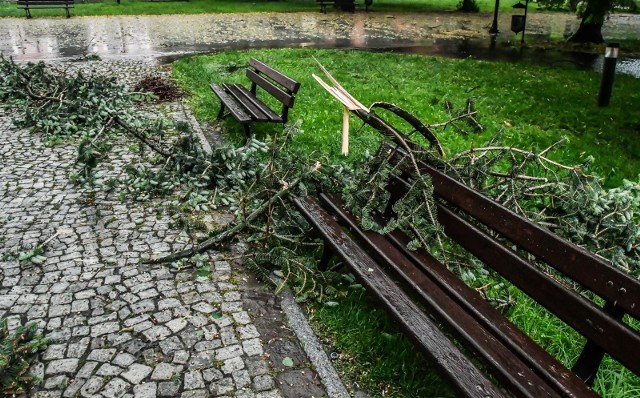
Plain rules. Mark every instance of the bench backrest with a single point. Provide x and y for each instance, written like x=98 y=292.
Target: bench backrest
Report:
x=43 y=2
x=458 y=209
x=280 y=86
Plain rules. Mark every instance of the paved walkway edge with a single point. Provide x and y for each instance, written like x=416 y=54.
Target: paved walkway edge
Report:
x=295 y=317
x=195 y=126
x=299 y=324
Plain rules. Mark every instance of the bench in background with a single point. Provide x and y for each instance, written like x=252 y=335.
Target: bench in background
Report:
x=28 y=5
x=344 y=5
x=245 y=106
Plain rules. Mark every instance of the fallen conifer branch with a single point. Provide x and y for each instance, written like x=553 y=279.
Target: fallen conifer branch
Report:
x=139 y=136
x=229 y=233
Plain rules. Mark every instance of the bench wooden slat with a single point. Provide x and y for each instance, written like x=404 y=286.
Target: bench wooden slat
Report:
x=233 y=107
x=287 y=82
x=40 y=7
x=512 y=371
x=619 y=341
x=249 y=105
x=521 y=344
x=285 y=98
x=37 y=3
x=463 y=374
x=578 y=264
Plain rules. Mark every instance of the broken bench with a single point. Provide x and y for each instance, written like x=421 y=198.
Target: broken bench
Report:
x=474 y=346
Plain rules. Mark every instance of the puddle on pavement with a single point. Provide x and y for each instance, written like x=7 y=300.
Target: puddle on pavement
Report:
x=506 y=52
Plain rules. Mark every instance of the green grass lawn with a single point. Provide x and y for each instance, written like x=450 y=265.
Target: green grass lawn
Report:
x=372 y=352
x=129 y=7
x=531 y=106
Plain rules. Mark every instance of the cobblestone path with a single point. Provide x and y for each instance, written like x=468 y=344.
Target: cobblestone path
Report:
x=117 y=328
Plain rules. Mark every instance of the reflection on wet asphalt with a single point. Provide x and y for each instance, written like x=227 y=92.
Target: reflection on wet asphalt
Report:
x=169 y=36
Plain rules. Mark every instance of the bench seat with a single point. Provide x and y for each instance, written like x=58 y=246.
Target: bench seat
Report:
x=244 y=106
x=28 y=5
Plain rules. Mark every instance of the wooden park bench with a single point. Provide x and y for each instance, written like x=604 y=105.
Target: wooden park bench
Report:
x=344 y=5
x=28 y=5
x=245 y=106
x=474 y=346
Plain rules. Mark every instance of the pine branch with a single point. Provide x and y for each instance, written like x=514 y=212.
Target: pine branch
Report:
x=229 y=233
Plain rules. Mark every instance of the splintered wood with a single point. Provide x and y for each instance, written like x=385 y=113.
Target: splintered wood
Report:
x=368 y=116
x=346 y=99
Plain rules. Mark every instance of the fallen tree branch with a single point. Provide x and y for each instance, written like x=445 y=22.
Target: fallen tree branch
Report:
x=139 y=136
x=229 y=233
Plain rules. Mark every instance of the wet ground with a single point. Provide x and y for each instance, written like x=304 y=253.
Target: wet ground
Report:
x=447 y=34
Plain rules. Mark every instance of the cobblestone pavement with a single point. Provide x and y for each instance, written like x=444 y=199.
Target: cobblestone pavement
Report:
x=119 y=328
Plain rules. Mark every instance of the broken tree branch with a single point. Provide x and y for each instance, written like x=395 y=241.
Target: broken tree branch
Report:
x=139 y=136
x=229 y=233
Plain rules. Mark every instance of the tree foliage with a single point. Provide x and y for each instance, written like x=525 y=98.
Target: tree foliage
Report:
x=593 y=14
x=17 y=349
x=567 y=200
x=578 y=6
x=55 y=103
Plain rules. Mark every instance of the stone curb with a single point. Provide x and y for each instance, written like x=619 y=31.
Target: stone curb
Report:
x=300 y=326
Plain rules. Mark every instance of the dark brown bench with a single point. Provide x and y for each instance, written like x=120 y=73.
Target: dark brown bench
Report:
x=440 y=313
x=245 y=106
x=344 y=5
x=28 y=5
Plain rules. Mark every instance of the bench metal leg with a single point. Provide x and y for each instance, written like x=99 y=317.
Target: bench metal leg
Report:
x=588 y=363
x=327 y=255
x=27 y=13
x=68 y=14
x=247 y=133
x=221 y=113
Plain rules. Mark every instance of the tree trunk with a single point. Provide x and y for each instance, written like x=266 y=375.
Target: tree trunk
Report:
x=590 y=30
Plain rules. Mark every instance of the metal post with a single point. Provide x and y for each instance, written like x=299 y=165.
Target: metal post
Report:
x=608 y=72
x=494 y=24
x=524 y=25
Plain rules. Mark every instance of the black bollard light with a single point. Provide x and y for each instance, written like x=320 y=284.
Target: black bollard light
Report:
x=494 y=25
x=608 y=72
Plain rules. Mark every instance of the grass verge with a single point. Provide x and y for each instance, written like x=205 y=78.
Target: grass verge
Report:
x=372 y=353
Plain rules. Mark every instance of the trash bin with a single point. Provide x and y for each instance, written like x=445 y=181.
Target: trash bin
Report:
x=517 y=23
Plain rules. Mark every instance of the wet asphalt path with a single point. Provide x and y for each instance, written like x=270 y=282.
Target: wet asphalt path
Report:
x=173 y=35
